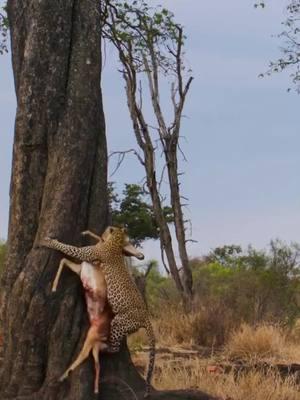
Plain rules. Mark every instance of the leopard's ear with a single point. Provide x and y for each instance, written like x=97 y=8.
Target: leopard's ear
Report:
x=123 y=230
x=111 y=229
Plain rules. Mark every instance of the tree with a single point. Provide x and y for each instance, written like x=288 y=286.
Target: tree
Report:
x=228 y=254
x=291 y=44
x=58 y=188
x=136 y=213
x=141 y=277
x=150 y=43
x=290 y=48
x=253 y=285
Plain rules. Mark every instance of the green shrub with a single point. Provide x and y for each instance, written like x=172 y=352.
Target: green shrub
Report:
x=257 y=285
x=232 y=287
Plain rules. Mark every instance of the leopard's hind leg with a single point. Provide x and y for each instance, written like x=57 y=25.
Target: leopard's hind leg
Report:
x=124 y=324
x=121 y=326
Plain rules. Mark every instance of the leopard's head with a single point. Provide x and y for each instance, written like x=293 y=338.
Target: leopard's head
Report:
x=118 y=241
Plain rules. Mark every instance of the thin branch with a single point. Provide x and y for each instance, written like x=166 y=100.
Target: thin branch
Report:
x=191 y=240
x=141 y=95
x=163 y=259
x=184 y=198
x=178 y=60
x=121 y=157
x=173 y=96
x=181 y=152
x=161 y=177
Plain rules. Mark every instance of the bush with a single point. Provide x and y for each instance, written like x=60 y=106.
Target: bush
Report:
x=231 y=288
x=258 y=285
x=203 y=327
x=264 y=342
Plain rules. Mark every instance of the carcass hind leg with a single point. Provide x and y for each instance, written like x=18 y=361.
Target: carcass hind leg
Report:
x=65 y=262
x=81 y=357
x=96 y=350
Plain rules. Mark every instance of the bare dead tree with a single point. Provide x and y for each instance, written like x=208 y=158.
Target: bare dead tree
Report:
x=152 y=45
x=141 y=278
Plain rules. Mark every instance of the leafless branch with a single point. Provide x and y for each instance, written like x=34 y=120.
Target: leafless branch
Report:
x=163 y=259
x=181 y=152
x=162 y=177
x=121 y=156
x=140 y=95
x=191 y=240
x=184 y=198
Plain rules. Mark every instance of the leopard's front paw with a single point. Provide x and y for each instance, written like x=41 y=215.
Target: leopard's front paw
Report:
x=47 y=241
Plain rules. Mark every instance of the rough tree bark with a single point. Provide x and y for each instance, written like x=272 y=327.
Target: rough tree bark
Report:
x=58 y=188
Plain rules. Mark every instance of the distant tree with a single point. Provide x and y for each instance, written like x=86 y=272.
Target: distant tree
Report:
x=225 y=255
x=290 y=47
x=257 y=285
x=134 y=211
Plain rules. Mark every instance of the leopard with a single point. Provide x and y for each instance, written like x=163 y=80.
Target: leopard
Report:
x=99 y=312
x=127 y=304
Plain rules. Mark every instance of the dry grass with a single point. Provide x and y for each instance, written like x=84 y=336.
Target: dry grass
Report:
x=167 y=332
x=268 y=343
x=294 y=334
x=204 y=327
x=176 y=328
x=173 y=330
x=263 y=343
x=247 y=386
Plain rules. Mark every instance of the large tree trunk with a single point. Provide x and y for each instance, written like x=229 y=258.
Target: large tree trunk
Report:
x=58 y=188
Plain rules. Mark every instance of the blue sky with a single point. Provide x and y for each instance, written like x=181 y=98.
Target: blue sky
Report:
x=242 y=139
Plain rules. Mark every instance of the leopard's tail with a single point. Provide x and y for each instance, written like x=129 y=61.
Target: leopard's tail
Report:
x=151 y=338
